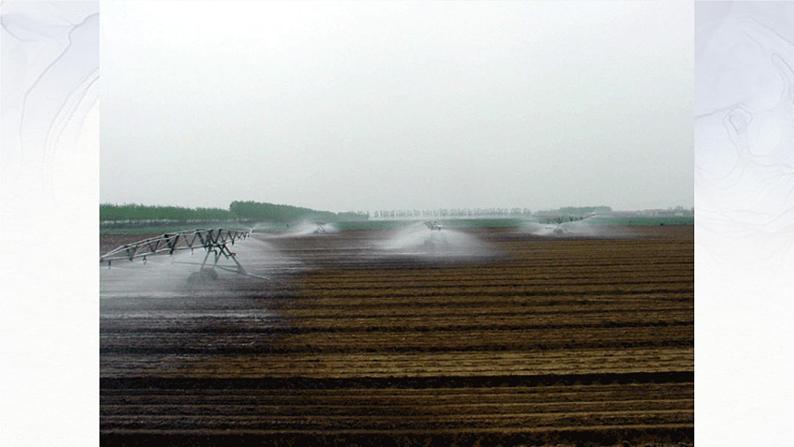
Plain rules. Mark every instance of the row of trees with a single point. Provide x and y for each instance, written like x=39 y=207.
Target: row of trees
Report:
x=575 y=211
x=488 y=212
x=135 y=212
x=451 y=212
x=271 y=212
x=238 y=211
x=287 y=213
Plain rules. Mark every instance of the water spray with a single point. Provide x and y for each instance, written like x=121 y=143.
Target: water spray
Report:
x=561 y=226
x=434 y=240
x=434 y=225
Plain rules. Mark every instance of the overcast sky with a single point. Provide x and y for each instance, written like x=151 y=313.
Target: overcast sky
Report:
x=363 y=106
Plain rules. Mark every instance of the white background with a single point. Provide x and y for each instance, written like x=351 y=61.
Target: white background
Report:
x=48 y=270
x=744 y=217
x=49 y=281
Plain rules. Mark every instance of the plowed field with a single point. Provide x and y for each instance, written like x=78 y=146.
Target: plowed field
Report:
x=543 y=341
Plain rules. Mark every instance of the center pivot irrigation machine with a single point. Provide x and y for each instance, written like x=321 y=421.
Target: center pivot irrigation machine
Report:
x=434 y=225
x=437 y=238
x=559 y=223
x=320 y=228
x=215 y=243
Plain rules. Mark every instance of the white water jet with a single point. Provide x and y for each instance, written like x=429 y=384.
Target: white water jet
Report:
x=418 y=239
x=164 y=276
x=580 y=228
x=306 y=228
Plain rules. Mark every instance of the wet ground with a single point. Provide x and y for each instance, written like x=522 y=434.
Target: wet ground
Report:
x=498 y=336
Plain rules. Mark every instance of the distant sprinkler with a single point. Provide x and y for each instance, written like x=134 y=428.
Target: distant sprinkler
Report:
x=320 y=228
x=434 y=225
x=437 y=238
x=559 y=224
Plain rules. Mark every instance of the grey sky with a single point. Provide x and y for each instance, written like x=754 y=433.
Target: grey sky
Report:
x=398 y=105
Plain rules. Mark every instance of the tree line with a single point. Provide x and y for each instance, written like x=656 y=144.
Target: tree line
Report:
x=287 y=213
x=451 y=212
x=238 y=211
x=137 y=212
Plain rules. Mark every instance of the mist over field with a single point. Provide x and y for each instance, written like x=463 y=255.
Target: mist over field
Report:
x=392 y=105
x=397 y=223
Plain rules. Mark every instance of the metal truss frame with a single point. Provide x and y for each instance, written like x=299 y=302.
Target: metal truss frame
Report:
x=214 y=241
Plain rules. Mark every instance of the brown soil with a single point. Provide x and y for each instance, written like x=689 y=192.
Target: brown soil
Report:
x=544 y=342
